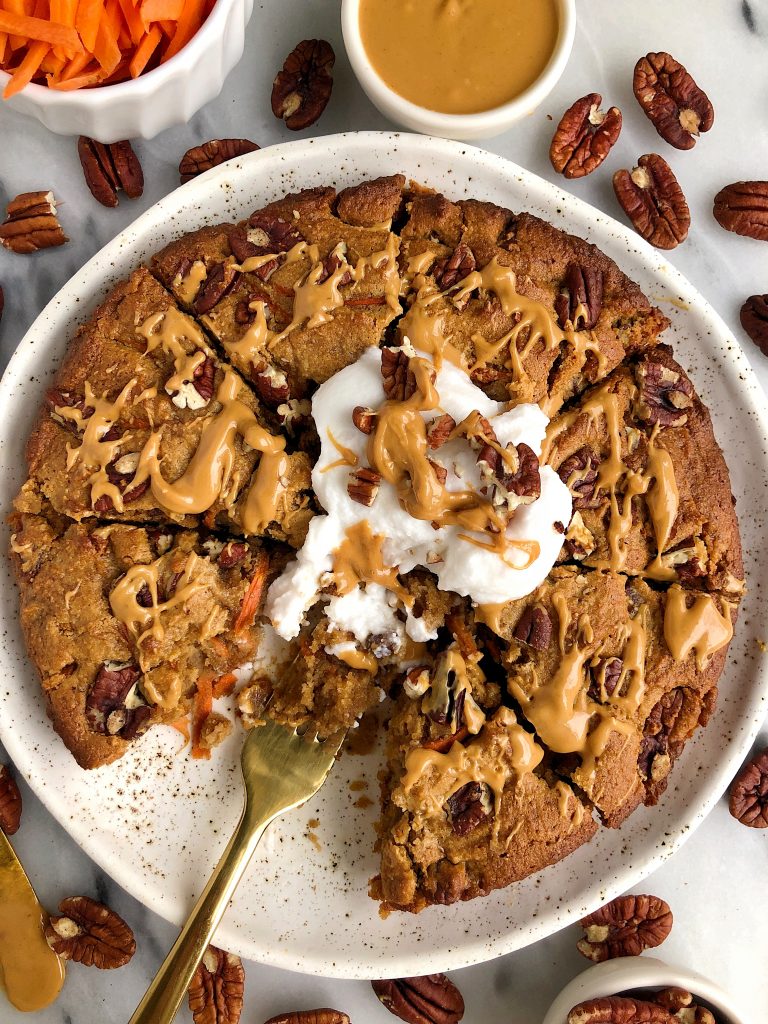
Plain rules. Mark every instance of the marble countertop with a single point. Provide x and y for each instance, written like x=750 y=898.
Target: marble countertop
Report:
x=715 y=884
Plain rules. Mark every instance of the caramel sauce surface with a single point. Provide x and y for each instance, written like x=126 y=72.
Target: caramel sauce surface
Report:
x=459 y=56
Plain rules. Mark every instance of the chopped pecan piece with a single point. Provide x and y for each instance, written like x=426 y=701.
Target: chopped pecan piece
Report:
x=665 y=395
x=749 y=792
x=579 y=473
x=652 y=199
x=109 y=169
x=454 y=268
x=584 y=137
x=364 y=485
x=580 y=300
x=333 y=262
x=512 y=480
x=742 y=207
x=439 y=430
x=619 y=1010
x=677 y=107
x=221 y=279
x=431 y=999
x=10 y=802
x=233 y=553
x=469 y=807
x=325 y=1015
x=271 y=385
x=269 y=233
x=604 y=677
x=114 y=705
x=534 y=628
x=252 y=699
x=120 y=472
x=302 y=88
x=398 y=377
x=216 y=990
x=90 y=933
x=625 y=927
x=202 y=380
x=754 y=320
x=364 y=419
x=31 y=223
x=202 y=158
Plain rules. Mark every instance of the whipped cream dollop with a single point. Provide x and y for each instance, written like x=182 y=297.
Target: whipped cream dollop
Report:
x=473 y=570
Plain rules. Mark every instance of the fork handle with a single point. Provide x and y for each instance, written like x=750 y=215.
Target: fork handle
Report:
x=167 y=990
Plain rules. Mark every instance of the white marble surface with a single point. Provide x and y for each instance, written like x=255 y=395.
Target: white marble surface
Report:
x=715 y=884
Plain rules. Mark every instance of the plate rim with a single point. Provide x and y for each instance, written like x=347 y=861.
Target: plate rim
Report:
x=408 y=147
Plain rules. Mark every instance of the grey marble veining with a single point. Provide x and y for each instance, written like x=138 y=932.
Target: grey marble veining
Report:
x=715 y=883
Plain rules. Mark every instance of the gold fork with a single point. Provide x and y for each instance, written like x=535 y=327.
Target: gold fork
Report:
x=282 y=770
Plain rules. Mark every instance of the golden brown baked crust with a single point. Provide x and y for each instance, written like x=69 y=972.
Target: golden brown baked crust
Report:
x=483 y=783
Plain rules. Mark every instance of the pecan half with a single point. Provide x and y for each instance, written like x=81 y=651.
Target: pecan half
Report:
x=322 y=1016
x=625 y=927
x=439 y=430
x=114 y=705
x=512 y=480
x=364 y=485
x=469 y=806
x=665 y=394
x=579 y=473
x=271 y=385
x=399 y=380
x=580 y=300
x=203 y=377
x=90 y=933
x=678 y=109
x=109 y=169
x=202 y=158
x=742 y=207
x=749 y=792
x=584 y=137
x=754 y=320
x=534 y=628
x=454 y=268
x=216 y=990
x=10 y=802
x=31 y=223
x=619 y=1010
x=431 y=999
x=652 y=199
x=221 y=279
x=364 y=419
x=301 y=90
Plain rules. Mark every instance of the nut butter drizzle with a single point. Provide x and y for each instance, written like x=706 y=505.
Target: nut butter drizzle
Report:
x=31 y=973
x=347 y=457
x=510 y=750
x=315 y=300
x=426 y=331
x=186 y=286
x=359 y=559
x=702 y=628
x=164 y=330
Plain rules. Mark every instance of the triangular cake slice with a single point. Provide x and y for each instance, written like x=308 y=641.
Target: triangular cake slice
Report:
x=144 y=423
x=535 y=314
x=123 y=621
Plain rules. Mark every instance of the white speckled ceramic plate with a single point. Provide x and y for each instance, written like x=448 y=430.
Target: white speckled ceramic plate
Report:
x=157 y=822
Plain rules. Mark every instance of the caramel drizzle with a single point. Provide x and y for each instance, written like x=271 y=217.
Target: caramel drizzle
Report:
x=264 y=499
x=95 y=453
x=210 y=468
x=363 y=661
x=359 y=559
x=702 y=628
x=164 y=330
x=145 y=623
x=186 y=286
x=315 y=301
x=348 y=456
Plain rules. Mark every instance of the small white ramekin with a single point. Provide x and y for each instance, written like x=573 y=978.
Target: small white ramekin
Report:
x=455 y=126
x=638 y=972
x=142 y=107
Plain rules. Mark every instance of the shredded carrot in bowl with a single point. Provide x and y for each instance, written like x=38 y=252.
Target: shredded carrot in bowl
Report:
x=79 y=44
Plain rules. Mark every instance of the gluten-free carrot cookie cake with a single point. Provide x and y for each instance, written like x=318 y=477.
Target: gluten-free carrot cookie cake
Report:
x=442 y=451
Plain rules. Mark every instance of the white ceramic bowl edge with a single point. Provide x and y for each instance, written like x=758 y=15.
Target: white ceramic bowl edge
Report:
x=145 y=106
x=463 y=127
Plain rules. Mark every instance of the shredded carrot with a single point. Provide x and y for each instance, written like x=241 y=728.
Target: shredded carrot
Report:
x=77 y=44
x=203 y=708
x=252 y=600
x=366 y=300
x=444 y=744
x=144 y=51
x=224 y=685
x=219 y=647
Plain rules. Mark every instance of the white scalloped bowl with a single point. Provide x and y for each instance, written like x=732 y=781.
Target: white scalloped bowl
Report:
x=143 y=107
x=633 y=973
